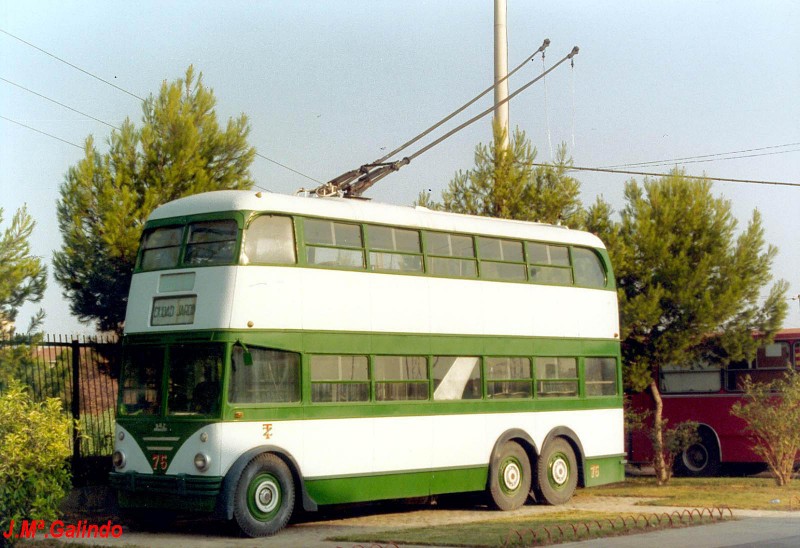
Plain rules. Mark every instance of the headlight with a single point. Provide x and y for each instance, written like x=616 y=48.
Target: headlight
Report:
x=118 y=459
x=201 y=462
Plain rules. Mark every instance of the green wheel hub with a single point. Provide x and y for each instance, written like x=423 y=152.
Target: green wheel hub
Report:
x=510 y=475
x=558 y=470
x=264 y=496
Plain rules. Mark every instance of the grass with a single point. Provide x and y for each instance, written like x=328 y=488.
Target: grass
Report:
x=542 y=529
x=742 y=493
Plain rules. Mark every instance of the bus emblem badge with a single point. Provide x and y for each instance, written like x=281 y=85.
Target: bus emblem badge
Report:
x=267 y=430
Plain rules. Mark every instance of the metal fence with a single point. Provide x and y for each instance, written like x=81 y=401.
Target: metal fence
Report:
x=82 y=373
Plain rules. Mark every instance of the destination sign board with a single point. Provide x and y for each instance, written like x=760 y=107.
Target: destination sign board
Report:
x=173 y=310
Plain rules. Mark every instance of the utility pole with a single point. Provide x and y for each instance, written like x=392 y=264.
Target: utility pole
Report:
x=501 y=65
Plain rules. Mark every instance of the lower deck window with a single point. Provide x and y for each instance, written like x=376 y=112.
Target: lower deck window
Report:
x=508 y=378
x=272 y=377
x=339 y=378
x=601 y=376
x=556 y=377
x=400 y=378
x=456 y=378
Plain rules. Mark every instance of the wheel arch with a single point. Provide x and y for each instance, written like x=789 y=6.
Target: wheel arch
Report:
x=703 y=427
x=521 y=437
x=574 y=441
x=224 y=507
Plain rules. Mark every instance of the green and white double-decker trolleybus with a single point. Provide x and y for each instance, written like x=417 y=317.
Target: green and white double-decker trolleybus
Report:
x=284 y=350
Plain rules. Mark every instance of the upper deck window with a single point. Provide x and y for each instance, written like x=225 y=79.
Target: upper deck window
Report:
x=161 y=248
x=269 y=239
x=589 y=270
x=394 y=249
x=211 y=242
x=451 y=255
x=549 y=264
x=332 y=243
x=501 y=259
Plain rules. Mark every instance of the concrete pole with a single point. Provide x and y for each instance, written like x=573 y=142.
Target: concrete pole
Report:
x=501 y=65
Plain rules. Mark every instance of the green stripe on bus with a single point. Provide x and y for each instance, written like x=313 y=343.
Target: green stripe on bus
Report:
x=396 y=485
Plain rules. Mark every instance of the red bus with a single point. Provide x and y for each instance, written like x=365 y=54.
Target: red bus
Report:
x=704 y=393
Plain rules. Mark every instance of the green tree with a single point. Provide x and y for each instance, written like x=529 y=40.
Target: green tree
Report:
x=504 y=183
x=179 y=150
x=34 y=471
x=23 y=277
x=689 y=288
x=772 y=412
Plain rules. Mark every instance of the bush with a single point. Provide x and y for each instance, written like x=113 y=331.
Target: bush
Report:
x=772 y=413
x=35 y=446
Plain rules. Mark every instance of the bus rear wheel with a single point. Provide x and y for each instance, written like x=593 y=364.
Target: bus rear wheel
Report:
x=264 y=497
x=556 y=472
x=700 y=459
x=509 y=477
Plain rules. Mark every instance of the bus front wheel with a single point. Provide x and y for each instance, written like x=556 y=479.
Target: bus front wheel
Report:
x=509 y=477
x=264 y=497
x=556 y=472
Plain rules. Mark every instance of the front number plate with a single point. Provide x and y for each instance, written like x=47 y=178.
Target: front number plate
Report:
x=173 y=310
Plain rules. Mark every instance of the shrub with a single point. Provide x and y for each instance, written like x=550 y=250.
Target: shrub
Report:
x=35 y=445
x=772 y=413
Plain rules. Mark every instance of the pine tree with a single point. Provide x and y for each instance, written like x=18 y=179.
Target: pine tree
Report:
x=504 y=183
x=689 y=288
x=23 y=277
x=179 y=150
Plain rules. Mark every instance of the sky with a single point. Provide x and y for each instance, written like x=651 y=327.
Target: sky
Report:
x=328 y=86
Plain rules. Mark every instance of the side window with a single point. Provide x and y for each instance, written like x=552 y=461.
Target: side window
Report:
x=331 y=243
x=508 y=378
x=456 y=378
x=161 y=248
x=339 y=378
x=400 y=378
x=588 y=267
x=556 y=377
x=450 y=255
x=273 y=377
x=601 y=376
x=394 y=249
x=269 y=239
x=775 y=355
x=549 y=264
x=211 y=243
x=501 y=259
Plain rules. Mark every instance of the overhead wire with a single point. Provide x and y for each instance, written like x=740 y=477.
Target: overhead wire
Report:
x=674 y=160
x=654 y=174
x=112 y=85
x=40 y=131
x=76 y=67
x=58 y=103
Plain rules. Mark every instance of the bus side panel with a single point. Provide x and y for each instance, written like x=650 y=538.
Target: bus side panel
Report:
x=705 y=409
x=311 y=299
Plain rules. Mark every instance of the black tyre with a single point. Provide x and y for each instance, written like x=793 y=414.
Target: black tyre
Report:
x=264 y=497
x=556 y=472
x=700 y=459
x=509 y=477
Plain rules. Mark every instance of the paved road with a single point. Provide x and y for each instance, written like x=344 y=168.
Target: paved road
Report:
x=752 y=528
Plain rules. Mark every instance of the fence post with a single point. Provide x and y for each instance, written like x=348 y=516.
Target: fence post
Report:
x=76 y=404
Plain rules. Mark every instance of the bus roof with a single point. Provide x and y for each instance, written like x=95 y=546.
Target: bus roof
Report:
x=367 y=211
